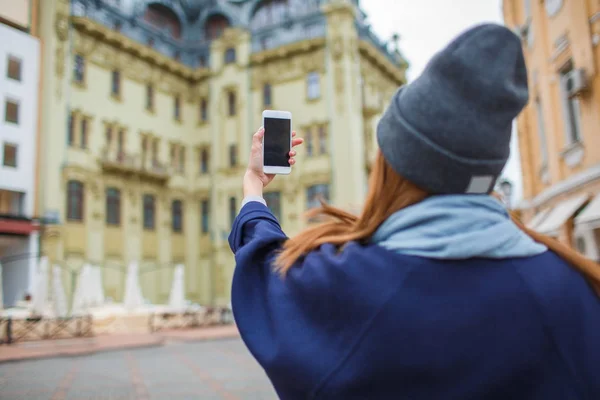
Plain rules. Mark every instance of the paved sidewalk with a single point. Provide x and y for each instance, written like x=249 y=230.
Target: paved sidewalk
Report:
x=205 y=370
x=102 y=343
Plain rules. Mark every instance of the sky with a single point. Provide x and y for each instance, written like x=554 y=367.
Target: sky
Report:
x=425 y=27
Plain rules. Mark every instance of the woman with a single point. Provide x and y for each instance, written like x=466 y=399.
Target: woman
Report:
x=432 y=292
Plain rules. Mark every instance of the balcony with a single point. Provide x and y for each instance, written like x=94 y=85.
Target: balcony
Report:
x=13 y=220
x=12 y=204
x=134 y=165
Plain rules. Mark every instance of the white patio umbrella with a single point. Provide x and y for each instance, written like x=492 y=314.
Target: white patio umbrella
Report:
x=133 y=292
x=59 y=299
x=81 y=299
x=40 y=294
x=177 y=294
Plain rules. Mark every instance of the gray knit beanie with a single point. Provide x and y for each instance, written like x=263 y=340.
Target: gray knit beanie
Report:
x=449 y=131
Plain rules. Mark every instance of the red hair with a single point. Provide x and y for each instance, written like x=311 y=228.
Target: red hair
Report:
x=388 y=193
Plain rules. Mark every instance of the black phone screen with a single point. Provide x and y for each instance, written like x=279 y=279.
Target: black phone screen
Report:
x=276 y=142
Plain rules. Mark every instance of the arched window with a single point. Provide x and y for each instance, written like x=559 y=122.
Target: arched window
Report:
x=313 y=86
x=229 y=56
x=232 y=209
x=74 y=201
x=149 y=211
x=113 y=206
x=215 y=25
x=162 y=17
x=177 y=216
x=267 y=95
x=269 y=12
x=231 y=103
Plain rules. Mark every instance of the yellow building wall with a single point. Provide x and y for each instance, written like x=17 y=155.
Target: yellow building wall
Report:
x=572 y=34
x=340 y=58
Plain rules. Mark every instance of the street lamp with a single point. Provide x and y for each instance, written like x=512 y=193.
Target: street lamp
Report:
x=506 y=188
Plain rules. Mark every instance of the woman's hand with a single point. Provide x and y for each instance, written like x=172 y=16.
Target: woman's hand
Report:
x=255 y=179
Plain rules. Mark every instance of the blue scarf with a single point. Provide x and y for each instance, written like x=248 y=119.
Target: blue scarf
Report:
x=456 y=227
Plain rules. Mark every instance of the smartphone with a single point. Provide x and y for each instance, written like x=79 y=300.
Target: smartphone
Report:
x=277 y=142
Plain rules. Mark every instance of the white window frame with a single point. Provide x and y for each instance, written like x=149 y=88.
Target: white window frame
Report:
x=313 y=85
x=571 y=110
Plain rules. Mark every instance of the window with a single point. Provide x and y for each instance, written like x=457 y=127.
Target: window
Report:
x=322 y=140
x=205 y=216
x=154 y=152
x=84 y=133
x=313 y=84
x=580 y=245
x=177 y=216
x=215 y=26
x=181 y=159
x=229 y=56
x=232 y=209
x=231 y=103
x=308 y=143
x=113 y=206
x=163 y=18
x=527 y=10
x=571 y=106
x=11 y=111
x=266 y=42
x=267 y=95
x=177 y=108
x=271 y=12
x=204 y=160
x=149 y=211
x=273 y=200
x=79 y=69
x=108 y=136
x=75 y=201
x=541 y=131
x=173 y=156
x=71 y=130
x=10 y=155
x=121 y=142
x=144 y=147
x=203 y=110
x=116 y=84
x=12 y=203
x=233 y=153
x=149 y=97
x=314 y=194
x=13 y=68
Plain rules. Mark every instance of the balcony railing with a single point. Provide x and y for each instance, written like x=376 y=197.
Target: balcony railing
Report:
x=365 y=33
x=144 y=167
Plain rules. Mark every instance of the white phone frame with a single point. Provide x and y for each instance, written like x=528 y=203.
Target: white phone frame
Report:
x=271 y=169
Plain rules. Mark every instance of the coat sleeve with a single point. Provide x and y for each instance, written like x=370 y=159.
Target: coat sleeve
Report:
x=298 y=327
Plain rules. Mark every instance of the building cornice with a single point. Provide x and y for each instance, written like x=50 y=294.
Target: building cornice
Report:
x=120 y=42
x=288 y=50
x=573 y=182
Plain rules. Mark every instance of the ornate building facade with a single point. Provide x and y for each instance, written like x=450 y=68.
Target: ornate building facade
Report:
x=558 y=131
x=149 y=110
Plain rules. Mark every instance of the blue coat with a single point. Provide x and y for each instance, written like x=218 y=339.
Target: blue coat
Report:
x=369 y=323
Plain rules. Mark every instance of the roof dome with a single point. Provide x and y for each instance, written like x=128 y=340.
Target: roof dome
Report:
x=193 y=8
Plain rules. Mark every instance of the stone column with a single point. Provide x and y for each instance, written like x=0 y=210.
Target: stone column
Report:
x=348 y=176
